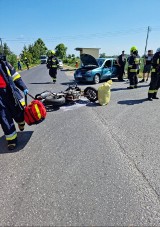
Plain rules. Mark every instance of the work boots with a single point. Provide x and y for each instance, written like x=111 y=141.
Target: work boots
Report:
x=12 y=144
x=141 y=81
x=155 y=96
x=21 y=126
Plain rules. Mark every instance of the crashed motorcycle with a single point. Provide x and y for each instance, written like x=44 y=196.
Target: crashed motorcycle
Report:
x=71 y=95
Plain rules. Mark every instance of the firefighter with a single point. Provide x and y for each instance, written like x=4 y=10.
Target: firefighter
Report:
x=19 y=64
x=26 y=62
x=133 y=67
x=155 y=76
x=11 y=102
x=53 y=65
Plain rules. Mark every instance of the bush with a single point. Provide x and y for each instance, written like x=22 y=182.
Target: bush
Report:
x=12 y=59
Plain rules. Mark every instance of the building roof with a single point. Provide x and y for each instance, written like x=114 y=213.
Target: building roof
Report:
x=81 y=48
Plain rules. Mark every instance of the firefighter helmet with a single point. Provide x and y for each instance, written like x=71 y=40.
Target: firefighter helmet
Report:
x=53 y=52
x=134 y=48
x=158 y=49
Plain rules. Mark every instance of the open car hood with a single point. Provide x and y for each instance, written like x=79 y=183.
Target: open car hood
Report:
x=88 y=59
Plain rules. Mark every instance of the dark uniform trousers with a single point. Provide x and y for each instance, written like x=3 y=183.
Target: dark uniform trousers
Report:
x=154 y=85
x=53 y=73
x=133 y=70
x=155 y=76
x=133 y=79
x=8 y=112
x=52 y=65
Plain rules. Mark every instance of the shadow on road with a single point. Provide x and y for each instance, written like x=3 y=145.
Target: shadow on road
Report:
x=132 y=102
x=93 y=104
x=69 y=83
x=145 y=85
x=68 y=70
x=51 y=108
x=23 y=138
x=119 y=89
x=42 y=83
x=73 y=82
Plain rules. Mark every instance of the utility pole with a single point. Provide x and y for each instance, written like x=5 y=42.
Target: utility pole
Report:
x=148 y=30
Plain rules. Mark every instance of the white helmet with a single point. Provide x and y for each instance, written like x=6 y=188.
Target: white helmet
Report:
x=158 y=50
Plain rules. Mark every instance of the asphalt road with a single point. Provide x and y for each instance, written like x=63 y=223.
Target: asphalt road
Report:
x=85 y=165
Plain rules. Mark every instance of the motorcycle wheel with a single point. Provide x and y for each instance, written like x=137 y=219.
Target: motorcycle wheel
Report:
x=91 y=94
x=54 y=100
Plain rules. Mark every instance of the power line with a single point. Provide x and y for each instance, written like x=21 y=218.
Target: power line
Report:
x=80 y=36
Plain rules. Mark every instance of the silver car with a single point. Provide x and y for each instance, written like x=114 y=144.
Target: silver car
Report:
x=60 y=63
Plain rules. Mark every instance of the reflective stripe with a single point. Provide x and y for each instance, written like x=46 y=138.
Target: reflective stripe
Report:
x=133 y=70
x=151 y=91
x=158 y=61
x=153 y=70
x=156 y=91
x=22 y=101
x=38 y=112
x=8 y=71
x=136 y=60
x=11 y=136
x=54 y=66
x=131 y=85
x=16 y=76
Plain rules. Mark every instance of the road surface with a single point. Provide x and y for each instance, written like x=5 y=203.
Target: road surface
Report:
x=85 y=165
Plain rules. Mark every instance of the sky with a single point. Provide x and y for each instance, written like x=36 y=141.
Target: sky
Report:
x=111 y=25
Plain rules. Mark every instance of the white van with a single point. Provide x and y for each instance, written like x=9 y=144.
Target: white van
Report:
x=43 y=59
x=60 y=63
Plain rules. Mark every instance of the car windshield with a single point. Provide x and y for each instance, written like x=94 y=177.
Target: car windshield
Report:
x=100 y=61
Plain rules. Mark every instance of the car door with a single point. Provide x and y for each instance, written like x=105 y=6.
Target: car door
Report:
x=114 y=68
x=107 y=70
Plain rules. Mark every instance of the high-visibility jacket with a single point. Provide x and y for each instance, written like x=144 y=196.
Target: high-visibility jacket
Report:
x=52 y=62
x=155 y=76
x=13 y=81
x=156 y=63
x=133 y=63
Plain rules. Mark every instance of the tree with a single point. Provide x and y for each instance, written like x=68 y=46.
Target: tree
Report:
x=40 y=47
x=61 y=51
x=6 y=50
x=27 y=54
x=103 y=55
x=12 y=58
x=69 y=56
x=34 y=51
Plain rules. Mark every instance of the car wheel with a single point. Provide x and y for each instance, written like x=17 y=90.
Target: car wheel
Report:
x=96 y=79
x=91 y=94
